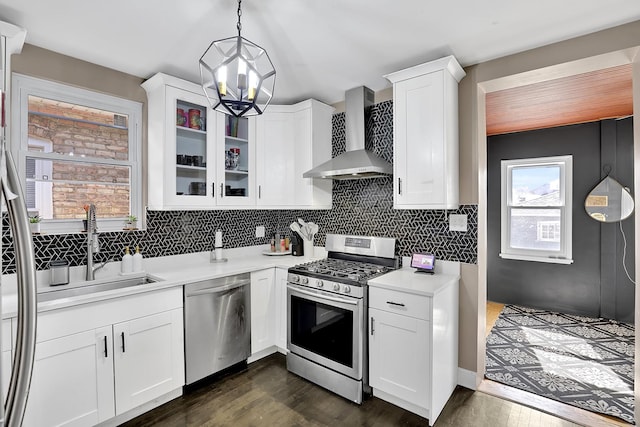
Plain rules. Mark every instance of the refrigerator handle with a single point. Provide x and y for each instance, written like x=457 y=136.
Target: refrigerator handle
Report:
x=16 y=401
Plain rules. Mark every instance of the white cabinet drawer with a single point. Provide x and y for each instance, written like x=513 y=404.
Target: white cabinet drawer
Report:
x=417 y=306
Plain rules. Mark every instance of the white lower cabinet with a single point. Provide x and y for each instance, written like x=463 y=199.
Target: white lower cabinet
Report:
x=148 y=352
x=99 y=360
x=72 y=382
x=281 y=309
x=413 y=340
x=262 y=311
x=401 y=373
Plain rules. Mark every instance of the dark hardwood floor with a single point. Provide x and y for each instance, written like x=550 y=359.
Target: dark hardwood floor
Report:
x=265 y=394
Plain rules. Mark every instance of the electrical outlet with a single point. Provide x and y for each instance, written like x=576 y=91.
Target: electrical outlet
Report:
x=260 y=231
x=457 y=222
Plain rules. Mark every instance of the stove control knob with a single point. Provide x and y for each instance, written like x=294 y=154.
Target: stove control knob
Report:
x=295 y=279
x=305 y=280
x=336 y=287
x=347 y=289
x=319 y=283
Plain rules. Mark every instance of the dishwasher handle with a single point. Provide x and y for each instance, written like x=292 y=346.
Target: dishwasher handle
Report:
x=218 y=289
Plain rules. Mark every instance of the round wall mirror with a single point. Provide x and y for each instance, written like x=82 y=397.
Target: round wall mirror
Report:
x=609 y=201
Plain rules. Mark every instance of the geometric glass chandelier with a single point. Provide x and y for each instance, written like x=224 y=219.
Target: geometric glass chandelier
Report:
x=237 y=75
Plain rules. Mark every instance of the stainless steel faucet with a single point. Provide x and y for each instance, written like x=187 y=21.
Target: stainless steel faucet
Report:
x=93 y=246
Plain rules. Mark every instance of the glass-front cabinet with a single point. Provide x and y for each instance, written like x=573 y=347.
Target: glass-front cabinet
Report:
x=236 y=160
x=190 y=150
x=198 y=158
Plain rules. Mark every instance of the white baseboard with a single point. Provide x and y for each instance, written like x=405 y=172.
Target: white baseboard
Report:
x=467 y=378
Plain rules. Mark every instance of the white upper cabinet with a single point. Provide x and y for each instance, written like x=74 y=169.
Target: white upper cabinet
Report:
x=202 y=159
x=425 y=135
x=181 y=158
x=235 y=161
x=291 y=140
x=190 y=165
x=275 y=143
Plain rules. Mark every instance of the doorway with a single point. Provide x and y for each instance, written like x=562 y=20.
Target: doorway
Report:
x=485 y=89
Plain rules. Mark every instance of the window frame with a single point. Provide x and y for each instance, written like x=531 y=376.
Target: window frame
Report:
x=25 y=86
x=564 y=254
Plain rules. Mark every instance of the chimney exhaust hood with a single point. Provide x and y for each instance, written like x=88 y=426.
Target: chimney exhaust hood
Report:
x=356 y=162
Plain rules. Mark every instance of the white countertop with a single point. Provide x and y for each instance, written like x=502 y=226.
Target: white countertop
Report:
x=170 y=271
x=407 y=280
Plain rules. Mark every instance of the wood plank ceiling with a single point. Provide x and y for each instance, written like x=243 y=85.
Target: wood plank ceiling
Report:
x=587 y=97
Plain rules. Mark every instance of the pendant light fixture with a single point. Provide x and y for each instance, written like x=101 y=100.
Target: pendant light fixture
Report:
x=237 y=75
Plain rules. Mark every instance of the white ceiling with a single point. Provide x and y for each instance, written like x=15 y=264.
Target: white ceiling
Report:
x=319 y=48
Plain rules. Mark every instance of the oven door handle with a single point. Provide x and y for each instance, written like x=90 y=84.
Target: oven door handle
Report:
x=324 y=296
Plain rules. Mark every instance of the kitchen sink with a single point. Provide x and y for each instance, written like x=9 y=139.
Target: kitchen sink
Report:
x=85 y=289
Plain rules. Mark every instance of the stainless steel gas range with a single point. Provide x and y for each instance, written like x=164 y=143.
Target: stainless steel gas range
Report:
x=327 y=313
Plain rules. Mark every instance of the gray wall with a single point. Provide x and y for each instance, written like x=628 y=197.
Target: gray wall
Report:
x=584 y=287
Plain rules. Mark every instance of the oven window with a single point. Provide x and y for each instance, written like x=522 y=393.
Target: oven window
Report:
x=322 y=329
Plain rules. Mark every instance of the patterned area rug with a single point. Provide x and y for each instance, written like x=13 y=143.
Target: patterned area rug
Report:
x=581 y=361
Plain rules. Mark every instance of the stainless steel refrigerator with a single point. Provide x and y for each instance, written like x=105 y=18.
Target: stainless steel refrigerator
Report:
x=16 y=211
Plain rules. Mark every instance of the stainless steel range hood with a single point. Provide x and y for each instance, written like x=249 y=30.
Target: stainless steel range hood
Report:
x=356 y=162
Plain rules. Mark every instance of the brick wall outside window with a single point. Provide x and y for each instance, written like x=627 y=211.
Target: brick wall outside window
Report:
x=83 y=139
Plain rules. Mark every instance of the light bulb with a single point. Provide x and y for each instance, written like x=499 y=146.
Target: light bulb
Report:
x=253 y=84
x=222 y=80
x=242 y=74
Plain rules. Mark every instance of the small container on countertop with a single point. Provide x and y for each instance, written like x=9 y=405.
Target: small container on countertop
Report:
x=59 y=270
x=137 y=261
x=126 y=266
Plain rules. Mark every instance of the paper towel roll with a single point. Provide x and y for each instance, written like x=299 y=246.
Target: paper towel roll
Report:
x=218 y=241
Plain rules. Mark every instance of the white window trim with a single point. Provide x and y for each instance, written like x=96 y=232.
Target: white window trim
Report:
x=564 y=255
x=44 y=198
x=24 y=86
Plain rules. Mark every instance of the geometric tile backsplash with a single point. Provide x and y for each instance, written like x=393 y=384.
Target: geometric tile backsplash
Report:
x=360 y=207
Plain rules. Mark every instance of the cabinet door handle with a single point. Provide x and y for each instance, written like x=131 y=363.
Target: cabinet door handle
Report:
x=399 y=185
x=213 y=189
x=122 y=337
x=373 y=325
x=398 y=304
x=106 y=353
x=221 y=189
x=259 y=191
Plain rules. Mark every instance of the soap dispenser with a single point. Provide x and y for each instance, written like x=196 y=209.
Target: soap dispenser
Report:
x=137 y=260
x=127 y=262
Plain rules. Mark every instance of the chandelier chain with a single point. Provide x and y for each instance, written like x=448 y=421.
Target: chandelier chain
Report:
x=239 y=25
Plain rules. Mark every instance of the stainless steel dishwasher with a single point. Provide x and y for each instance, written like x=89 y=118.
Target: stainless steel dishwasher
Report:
x=217 y=323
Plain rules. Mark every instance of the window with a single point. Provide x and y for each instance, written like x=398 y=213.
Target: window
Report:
x=75 y=147
x=536 y=209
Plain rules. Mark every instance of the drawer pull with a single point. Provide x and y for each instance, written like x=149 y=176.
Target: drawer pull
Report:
x=398 y=304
